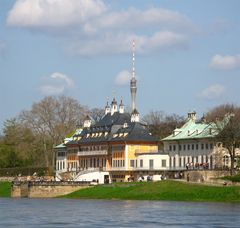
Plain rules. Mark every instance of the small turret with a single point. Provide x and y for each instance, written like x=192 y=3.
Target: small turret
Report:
x=135 y=117
x=107 y=109
x=87 y=122
x=114 y=106
x=121 y=107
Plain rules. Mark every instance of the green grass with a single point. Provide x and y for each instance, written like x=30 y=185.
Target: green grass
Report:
x=165 y=190
x=5 y=189
x=232 y=178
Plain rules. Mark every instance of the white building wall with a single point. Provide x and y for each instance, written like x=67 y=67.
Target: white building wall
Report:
x=93 y=176
x=157 y=161
x=190 y=151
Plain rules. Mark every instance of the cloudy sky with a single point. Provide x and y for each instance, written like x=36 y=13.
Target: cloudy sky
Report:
x=187 y=53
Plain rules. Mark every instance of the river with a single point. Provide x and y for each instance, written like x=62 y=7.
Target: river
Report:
x=114 y=213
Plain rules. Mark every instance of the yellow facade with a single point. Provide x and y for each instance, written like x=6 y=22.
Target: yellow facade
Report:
x=132 y=150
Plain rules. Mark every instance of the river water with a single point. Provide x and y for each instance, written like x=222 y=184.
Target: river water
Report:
x=114 y=213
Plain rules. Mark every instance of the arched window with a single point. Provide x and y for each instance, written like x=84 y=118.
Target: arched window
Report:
x=225 y=160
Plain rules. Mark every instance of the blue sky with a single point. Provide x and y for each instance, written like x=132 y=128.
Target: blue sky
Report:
x=187 y=53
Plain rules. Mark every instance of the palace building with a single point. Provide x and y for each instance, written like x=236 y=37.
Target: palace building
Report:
x=116 y=148
x=194 y=146
x=119 y=146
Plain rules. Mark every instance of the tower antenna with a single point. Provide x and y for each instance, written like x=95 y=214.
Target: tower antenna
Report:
x=133 y=59
x=133 y=83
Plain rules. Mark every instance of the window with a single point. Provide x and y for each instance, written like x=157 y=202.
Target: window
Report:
x=202 y=146
x=188 y=146
x=225 y=160
x=192 y=146
x=141 y=163
x=207 y=146
x=211 y=146
x=174 y=147
x=184 y=147
x=170 y=147
x=131 y=163
x=180 y=162
x=61 y=154
x=180 y=147
x=196 y=146
x=164 y=163
x=151 y=164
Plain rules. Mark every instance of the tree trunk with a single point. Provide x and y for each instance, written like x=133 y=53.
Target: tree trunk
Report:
x=45 y=153
x=232 y=165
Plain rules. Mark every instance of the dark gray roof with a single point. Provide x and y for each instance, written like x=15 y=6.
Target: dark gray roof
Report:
x=115 y=119
x=136 y=132
x=115 y=128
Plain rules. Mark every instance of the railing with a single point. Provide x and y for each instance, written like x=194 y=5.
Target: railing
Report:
x=50 y=183
x=146 y=168
x=93 y=152
x=138 y=168
x=138 y=152
x=117 y=169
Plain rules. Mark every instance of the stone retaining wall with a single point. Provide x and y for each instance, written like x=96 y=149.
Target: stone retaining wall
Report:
x=204 y=175
x=45 y=189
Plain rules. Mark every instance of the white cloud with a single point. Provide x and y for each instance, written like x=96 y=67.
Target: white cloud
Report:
x=123 y=78
x=213 y=91
x=53 y=13
x=63 y=77
x=92 y=28
x=121 y=43
x=133 y=18
x=227 y=62
x=56 y=84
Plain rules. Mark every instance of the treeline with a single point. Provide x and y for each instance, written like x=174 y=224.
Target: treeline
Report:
x=29 y=138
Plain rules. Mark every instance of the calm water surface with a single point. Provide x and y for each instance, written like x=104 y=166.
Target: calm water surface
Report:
x=104 y=213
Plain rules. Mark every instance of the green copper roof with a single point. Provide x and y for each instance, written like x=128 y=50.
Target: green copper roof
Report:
x=68 y=139
x=60 y=146
x=193 y=130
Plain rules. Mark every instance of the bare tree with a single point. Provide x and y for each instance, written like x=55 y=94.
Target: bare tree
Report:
x=51 y=119
x=219 y=112
x=228 y=124
x=161 y=124
x=96 y=113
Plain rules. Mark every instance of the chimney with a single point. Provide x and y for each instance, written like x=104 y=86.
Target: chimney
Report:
x=192 y=116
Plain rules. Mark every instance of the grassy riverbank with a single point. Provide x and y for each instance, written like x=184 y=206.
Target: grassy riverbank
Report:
x=5 y=189
x=165 y=190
